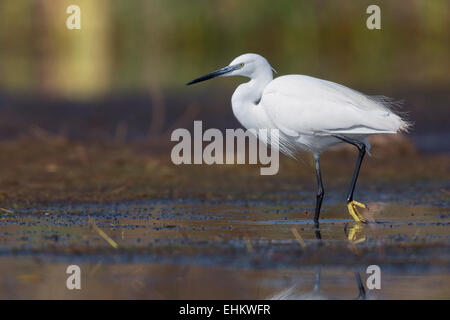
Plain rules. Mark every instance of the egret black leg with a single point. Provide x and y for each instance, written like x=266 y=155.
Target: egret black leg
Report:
x=362 y=152
x=361 y=290
x=318 y=235
x=320 y=191
x=350 y=202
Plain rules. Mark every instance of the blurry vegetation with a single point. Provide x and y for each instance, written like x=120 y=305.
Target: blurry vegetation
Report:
x=139 y=45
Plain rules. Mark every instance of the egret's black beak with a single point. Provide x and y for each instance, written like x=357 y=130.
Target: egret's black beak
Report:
x=214 y=74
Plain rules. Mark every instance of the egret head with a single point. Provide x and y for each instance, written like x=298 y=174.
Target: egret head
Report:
x=248 y=65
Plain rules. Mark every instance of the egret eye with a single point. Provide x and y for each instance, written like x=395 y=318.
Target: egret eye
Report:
x=241 y=65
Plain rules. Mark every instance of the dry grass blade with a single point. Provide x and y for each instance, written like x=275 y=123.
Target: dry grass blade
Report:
x=298 y=237
x=8 y=212
x=103 y=234
x=248 y=244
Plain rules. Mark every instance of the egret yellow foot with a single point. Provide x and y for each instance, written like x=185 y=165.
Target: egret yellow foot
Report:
x=352 y=208
x=354 y=232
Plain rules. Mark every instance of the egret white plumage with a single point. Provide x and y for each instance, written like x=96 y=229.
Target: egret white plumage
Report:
x=311 y=114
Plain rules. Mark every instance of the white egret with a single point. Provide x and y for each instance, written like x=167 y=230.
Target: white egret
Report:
x=311 y=114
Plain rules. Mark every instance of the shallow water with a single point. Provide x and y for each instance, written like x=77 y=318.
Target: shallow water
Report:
x=230 y=250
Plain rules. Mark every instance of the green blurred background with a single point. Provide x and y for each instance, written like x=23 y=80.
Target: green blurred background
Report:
x=124 y=73
x=136 y=45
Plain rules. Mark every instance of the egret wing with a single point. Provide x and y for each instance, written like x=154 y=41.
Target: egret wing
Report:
x=305 y=105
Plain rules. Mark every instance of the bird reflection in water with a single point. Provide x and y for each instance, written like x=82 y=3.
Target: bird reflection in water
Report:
x=292 y=293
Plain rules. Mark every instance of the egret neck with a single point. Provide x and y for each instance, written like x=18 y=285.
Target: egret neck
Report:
x=246 y=98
